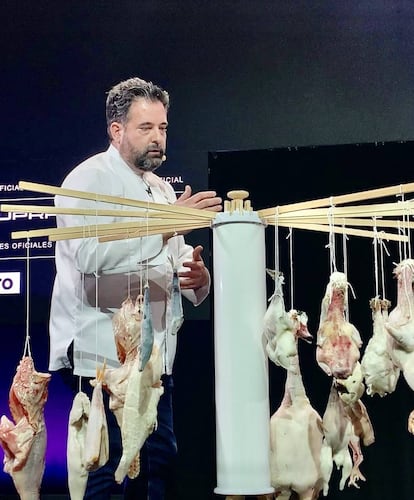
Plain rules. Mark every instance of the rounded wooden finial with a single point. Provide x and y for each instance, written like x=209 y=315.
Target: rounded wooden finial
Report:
x=238 y=194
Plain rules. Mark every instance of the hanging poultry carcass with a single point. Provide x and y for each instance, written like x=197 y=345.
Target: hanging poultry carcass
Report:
x=400 y=327
x=126 y=324
x=296 y=435
x=96 y=452
x=340 y=435
x=351 y=389
x=78 y=421
x=280 y=328
x=135 y=387
x=87 y=446
x=379 y=370
x=139 y=415
x=24 y=440
x=405 y=361
x=338 y=341
x=400 y=324
x=363 y=429
x=127 y=333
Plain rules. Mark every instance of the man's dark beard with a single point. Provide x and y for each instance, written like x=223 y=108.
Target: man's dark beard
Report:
x=147 y=164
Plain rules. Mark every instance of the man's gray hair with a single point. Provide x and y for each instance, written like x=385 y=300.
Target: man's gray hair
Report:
x=123 y=94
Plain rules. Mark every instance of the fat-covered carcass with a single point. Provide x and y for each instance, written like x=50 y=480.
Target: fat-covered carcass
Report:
x=280 y=328
x=379 y=370
x=24 y=439
x=135 y=387
x=75 y=448
x=295 y=427
x=400 y=324
x=338 y=341
x=96 y=452
x=340 y=436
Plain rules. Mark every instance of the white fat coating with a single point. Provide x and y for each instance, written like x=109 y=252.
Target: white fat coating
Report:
x=379 y=370
x=27 y=481
x=24 y=443
x=96 y=440
x=338 y=341
x=16 y=441
x=354 y=386
x=400 y=324
x=116 y=383
x=338 y=432
x=78 y=421
x=296 y=440
x=137 y=426
x=280 y=330
x=282 y=349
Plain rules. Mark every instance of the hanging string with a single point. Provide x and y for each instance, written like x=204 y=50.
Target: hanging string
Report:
x=27 y=350
x=405 y=228
x=290 y=238
x=400 y=243
x=401 y=228
x=345 y=257
x=408 y=243
x=331 y=244
x=96 y=284
x=141 y=270
x=408 y=288
x=129 y=264
x=345 y=250
x=277 y=256
x=376 y=271
x=80 y=326
x=382 y=249
x=147 y=231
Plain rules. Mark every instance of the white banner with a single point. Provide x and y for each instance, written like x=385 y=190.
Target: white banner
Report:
x=9 y=283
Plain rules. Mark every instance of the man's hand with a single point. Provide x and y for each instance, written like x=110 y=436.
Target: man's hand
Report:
x=204 y=200
x=197 y=275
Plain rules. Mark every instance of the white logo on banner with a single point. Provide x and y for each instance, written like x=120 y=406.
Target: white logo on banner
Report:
x=9 y=283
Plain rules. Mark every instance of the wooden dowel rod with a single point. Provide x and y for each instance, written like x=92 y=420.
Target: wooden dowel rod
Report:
x=392 y=209
x=142 y=233
x=118 y=233
x=45 y=188
x=50 y=210
x=92 y=230
x=347 y=230
x=341 y=199
x=348 y=221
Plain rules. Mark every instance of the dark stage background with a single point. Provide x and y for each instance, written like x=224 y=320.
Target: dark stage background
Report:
x=280 y=176
x=245 y=78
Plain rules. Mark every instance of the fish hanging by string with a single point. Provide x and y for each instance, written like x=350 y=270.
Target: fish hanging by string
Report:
x=147 y=330
x=177 y=315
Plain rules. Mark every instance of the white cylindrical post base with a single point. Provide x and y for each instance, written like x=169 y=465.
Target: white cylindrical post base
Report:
x=241 y=366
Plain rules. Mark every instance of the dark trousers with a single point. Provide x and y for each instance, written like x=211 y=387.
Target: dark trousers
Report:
x=157 y=458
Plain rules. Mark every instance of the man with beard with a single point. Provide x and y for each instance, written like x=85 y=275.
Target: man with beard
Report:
x=93 y=279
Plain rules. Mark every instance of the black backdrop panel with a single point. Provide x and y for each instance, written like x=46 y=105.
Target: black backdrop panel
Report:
x=286 y=175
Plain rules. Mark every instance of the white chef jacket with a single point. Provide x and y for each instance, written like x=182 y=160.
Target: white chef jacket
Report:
x=92 y=278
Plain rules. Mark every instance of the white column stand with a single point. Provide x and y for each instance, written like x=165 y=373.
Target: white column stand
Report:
x=241 y=366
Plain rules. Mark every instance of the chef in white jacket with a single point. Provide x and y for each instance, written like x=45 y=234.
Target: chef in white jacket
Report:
x=92 y=279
